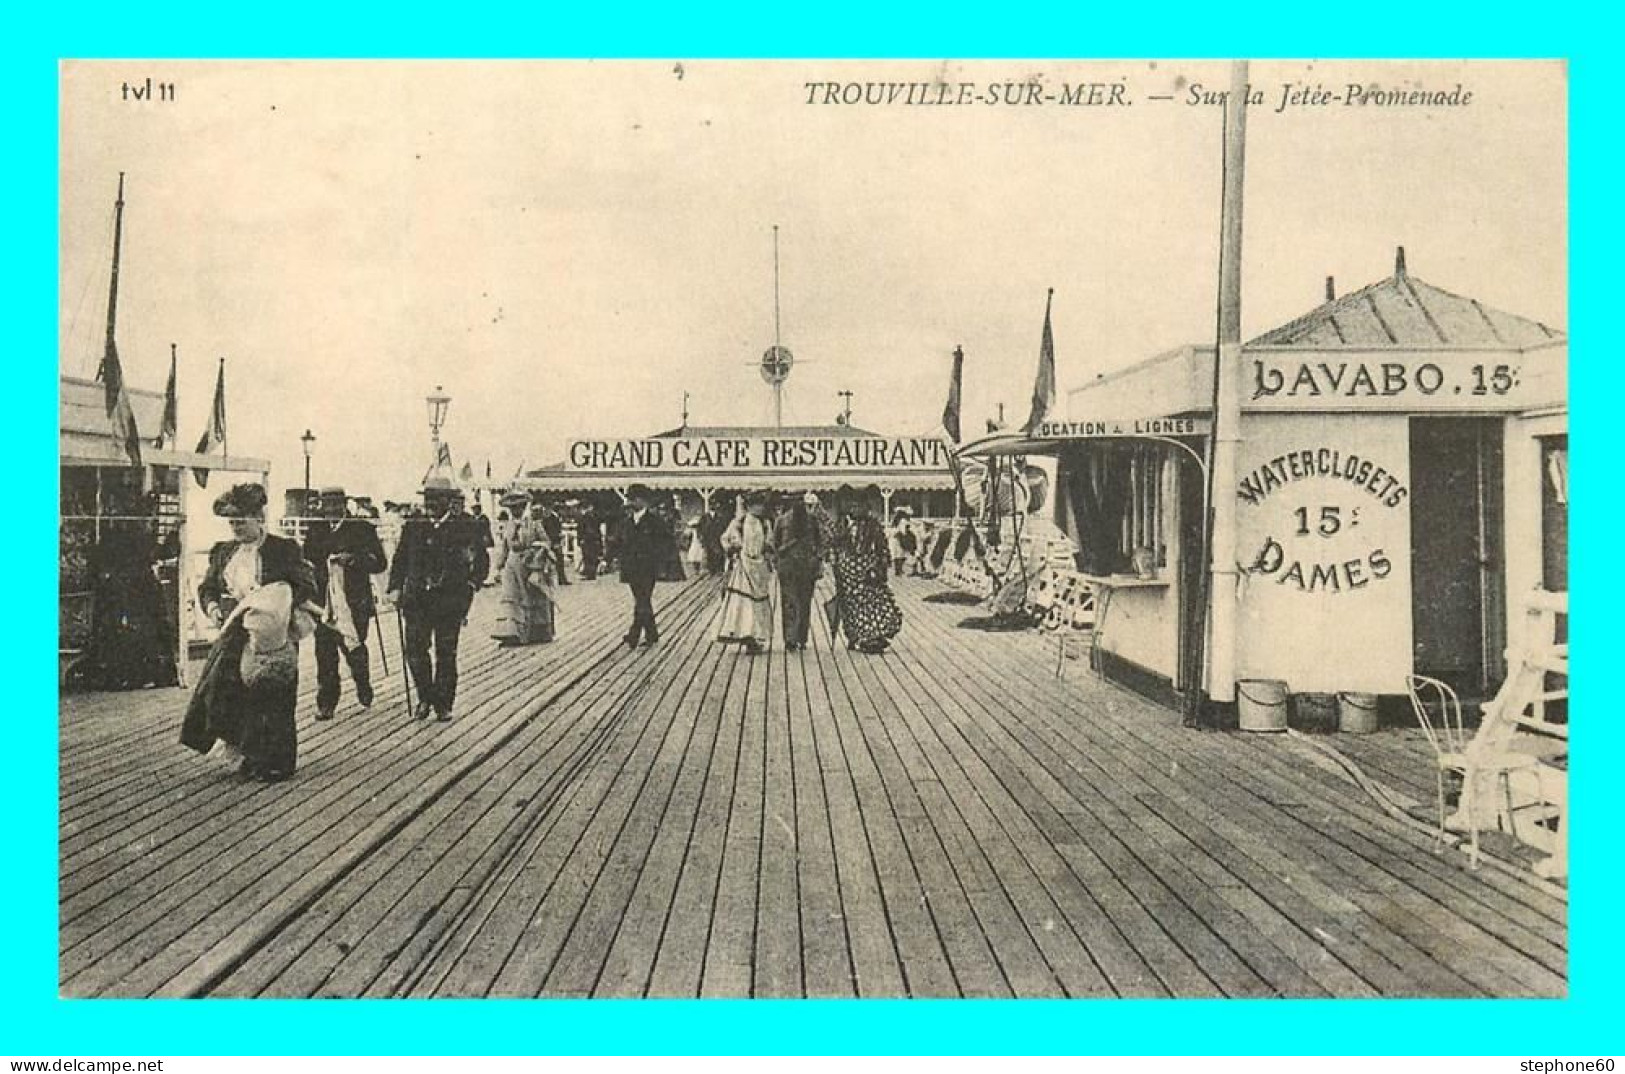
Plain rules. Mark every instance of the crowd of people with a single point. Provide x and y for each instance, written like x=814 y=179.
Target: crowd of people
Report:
x=783 y=544
x=266 y=593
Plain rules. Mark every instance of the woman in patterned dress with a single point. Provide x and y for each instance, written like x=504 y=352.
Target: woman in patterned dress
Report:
x=863 y=607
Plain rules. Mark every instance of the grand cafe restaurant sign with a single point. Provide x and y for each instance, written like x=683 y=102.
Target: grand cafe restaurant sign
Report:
x=723 y=456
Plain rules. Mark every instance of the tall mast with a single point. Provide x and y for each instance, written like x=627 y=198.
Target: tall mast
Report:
x=778 y=384
x=112 y=287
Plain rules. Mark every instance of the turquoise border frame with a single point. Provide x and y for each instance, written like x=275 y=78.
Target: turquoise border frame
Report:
x=38 y=1023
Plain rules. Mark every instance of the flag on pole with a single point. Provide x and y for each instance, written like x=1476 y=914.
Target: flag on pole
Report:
x=117 y=398
x=166 y=435
x=487 y=469
x=215 y=434
x=467 y=472
x=111 y=373
x=950 y=413
x=1044 y=384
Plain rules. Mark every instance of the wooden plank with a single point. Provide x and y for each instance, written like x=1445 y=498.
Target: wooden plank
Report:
x=1123 y=971
x=877 y=970
x=329 y=854
x=1139 y=726
x=875 y=772
x=778 y=970
x=728 y=962
x=825 y=958
x=641 y=931
x=424 y=892
x=517 y=944
x=680 y=963
x=583 y=954
x=1183 y=905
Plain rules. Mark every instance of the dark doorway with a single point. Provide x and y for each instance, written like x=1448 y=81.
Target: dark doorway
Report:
x=1458 y=608
x=1554 y=513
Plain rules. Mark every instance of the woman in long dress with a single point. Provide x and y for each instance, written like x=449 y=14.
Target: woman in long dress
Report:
x=694 y=554
x=525 y=568
x=869 y=615
x=258 y=590
x=747 y=606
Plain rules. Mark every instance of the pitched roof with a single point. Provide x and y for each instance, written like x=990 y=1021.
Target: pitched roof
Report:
x=750 y=431
x=1406 y=313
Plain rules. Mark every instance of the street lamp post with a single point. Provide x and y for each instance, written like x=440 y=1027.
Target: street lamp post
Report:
x=308 y=440
x=439 y=402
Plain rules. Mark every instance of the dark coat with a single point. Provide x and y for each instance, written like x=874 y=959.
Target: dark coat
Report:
x=438 y=564
x=280 y=561
x=358 y=538
x=590 y=535
x=644 y=548
x=799 y=553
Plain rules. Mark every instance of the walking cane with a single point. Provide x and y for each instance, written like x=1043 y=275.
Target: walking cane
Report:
x=400 y=629
x=378 y=632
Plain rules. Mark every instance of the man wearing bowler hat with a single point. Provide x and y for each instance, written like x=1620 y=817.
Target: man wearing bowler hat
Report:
x=437 y=568
x=346 y=550
x=643 y=553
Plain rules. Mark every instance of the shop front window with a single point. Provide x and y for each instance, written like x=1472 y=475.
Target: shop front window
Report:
x=1117 y=495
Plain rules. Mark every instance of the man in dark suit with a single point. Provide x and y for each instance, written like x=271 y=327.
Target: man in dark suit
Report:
x=553 y=526
x=352 y=544
x=643 y=551
x=487 y=538
x=432 y=581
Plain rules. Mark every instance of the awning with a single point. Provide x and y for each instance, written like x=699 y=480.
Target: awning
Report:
x=1052 y=436
x=568 y=481
x=83 y=450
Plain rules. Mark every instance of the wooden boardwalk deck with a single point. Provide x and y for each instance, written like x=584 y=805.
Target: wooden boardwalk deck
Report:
x=948 y=819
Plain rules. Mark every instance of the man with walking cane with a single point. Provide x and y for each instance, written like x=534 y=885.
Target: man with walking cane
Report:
x=432 y=583
x=344 y=552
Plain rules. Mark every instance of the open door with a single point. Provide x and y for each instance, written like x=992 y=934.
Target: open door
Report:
x=1457 y=569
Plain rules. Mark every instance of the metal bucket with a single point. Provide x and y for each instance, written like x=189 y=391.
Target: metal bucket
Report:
x=1356 y=713
x=1261 y=704
x=1314 y=712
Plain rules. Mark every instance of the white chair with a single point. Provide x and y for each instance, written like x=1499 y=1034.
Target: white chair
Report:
x=1453 y=752
x=1072 y=617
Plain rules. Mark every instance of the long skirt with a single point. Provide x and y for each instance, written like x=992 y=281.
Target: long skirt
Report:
x=747 y=607
x=527 y=611
x=257 y=720
x=870 y=616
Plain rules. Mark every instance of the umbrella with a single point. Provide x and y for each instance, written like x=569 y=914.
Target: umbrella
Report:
x=832 y=614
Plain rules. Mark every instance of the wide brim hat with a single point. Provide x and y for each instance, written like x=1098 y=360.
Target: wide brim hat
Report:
x=638 y=492
x=241 y=501
x=438 y=484
x=514 y=499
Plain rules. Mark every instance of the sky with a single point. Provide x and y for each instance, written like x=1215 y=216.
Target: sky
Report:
x=568 y=247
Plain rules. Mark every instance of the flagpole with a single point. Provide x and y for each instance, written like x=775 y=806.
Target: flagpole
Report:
x=1220 y=538
x=220 y=395
x=112 y=286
